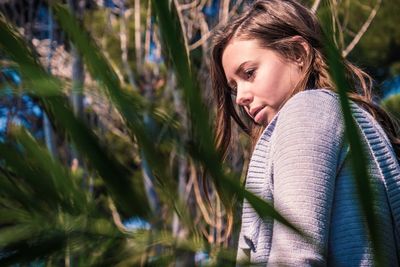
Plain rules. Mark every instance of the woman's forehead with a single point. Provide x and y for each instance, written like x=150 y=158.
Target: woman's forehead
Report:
x=239 y=51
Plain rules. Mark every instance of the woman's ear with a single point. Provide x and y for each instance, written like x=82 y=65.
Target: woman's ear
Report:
x=302 y=50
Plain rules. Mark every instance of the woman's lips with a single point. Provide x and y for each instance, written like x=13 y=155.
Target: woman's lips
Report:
x=259 y=115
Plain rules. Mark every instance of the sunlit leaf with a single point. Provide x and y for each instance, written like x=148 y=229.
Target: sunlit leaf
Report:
x=202 y=147
x=357 y=153
x=128 y=104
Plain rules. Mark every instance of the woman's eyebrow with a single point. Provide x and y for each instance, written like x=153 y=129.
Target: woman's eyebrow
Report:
x=241 y=68
x=237 y=72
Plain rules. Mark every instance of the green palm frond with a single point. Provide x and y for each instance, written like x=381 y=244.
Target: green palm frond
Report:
x=45 y=213
x=47 y=89
x=44 y=209
x=202 y=142
x=357 y=153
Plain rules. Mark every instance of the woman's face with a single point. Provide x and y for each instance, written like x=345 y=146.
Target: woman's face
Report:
x=261 y=79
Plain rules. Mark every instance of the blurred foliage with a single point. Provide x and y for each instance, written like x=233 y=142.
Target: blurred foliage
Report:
x=392 y=105
x=378 y=49
x=154 y=133
x=77 y=218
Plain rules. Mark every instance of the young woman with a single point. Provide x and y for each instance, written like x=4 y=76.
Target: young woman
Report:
x=270 y=76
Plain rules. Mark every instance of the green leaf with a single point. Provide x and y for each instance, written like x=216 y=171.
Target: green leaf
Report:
x=131 y=106
x=202 y=146
x=117 y=178
x=16 y=194
x=58 y=182
x=42 y=187
x=357 y=155
x=30 y=248
x=14 y=234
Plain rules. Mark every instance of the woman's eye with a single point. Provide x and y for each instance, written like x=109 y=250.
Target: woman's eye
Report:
x=249 y=73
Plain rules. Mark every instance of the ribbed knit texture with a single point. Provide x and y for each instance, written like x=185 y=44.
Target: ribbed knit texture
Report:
x=301 y=165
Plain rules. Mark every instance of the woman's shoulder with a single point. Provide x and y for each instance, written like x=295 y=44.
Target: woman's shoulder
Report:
x=310 y=122
x=311 y=113
x=313 y=105
x=316 y=99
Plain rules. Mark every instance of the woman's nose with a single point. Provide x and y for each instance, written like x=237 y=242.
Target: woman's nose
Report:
x=243 y=97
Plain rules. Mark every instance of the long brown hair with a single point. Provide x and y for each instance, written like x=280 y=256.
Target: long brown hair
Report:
x=285 y=26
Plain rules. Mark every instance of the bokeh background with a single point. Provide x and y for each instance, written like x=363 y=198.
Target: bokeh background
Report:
x=106 y=115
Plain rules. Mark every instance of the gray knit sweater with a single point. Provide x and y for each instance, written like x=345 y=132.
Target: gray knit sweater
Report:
x=301 y=165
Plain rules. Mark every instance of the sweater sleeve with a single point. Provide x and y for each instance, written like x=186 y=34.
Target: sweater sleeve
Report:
x=305 y=153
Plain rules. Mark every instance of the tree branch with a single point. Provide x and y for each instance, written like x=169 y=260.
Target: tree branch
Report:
x=207 y=35
x=124 y=37
x=315 y=6
x=362 y=30
x=116 y=216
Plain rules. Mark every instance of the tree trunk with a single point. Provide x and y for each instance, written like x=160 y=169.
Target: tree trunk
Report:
x=47 y=127
x=183 y=258
x=78 y=74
